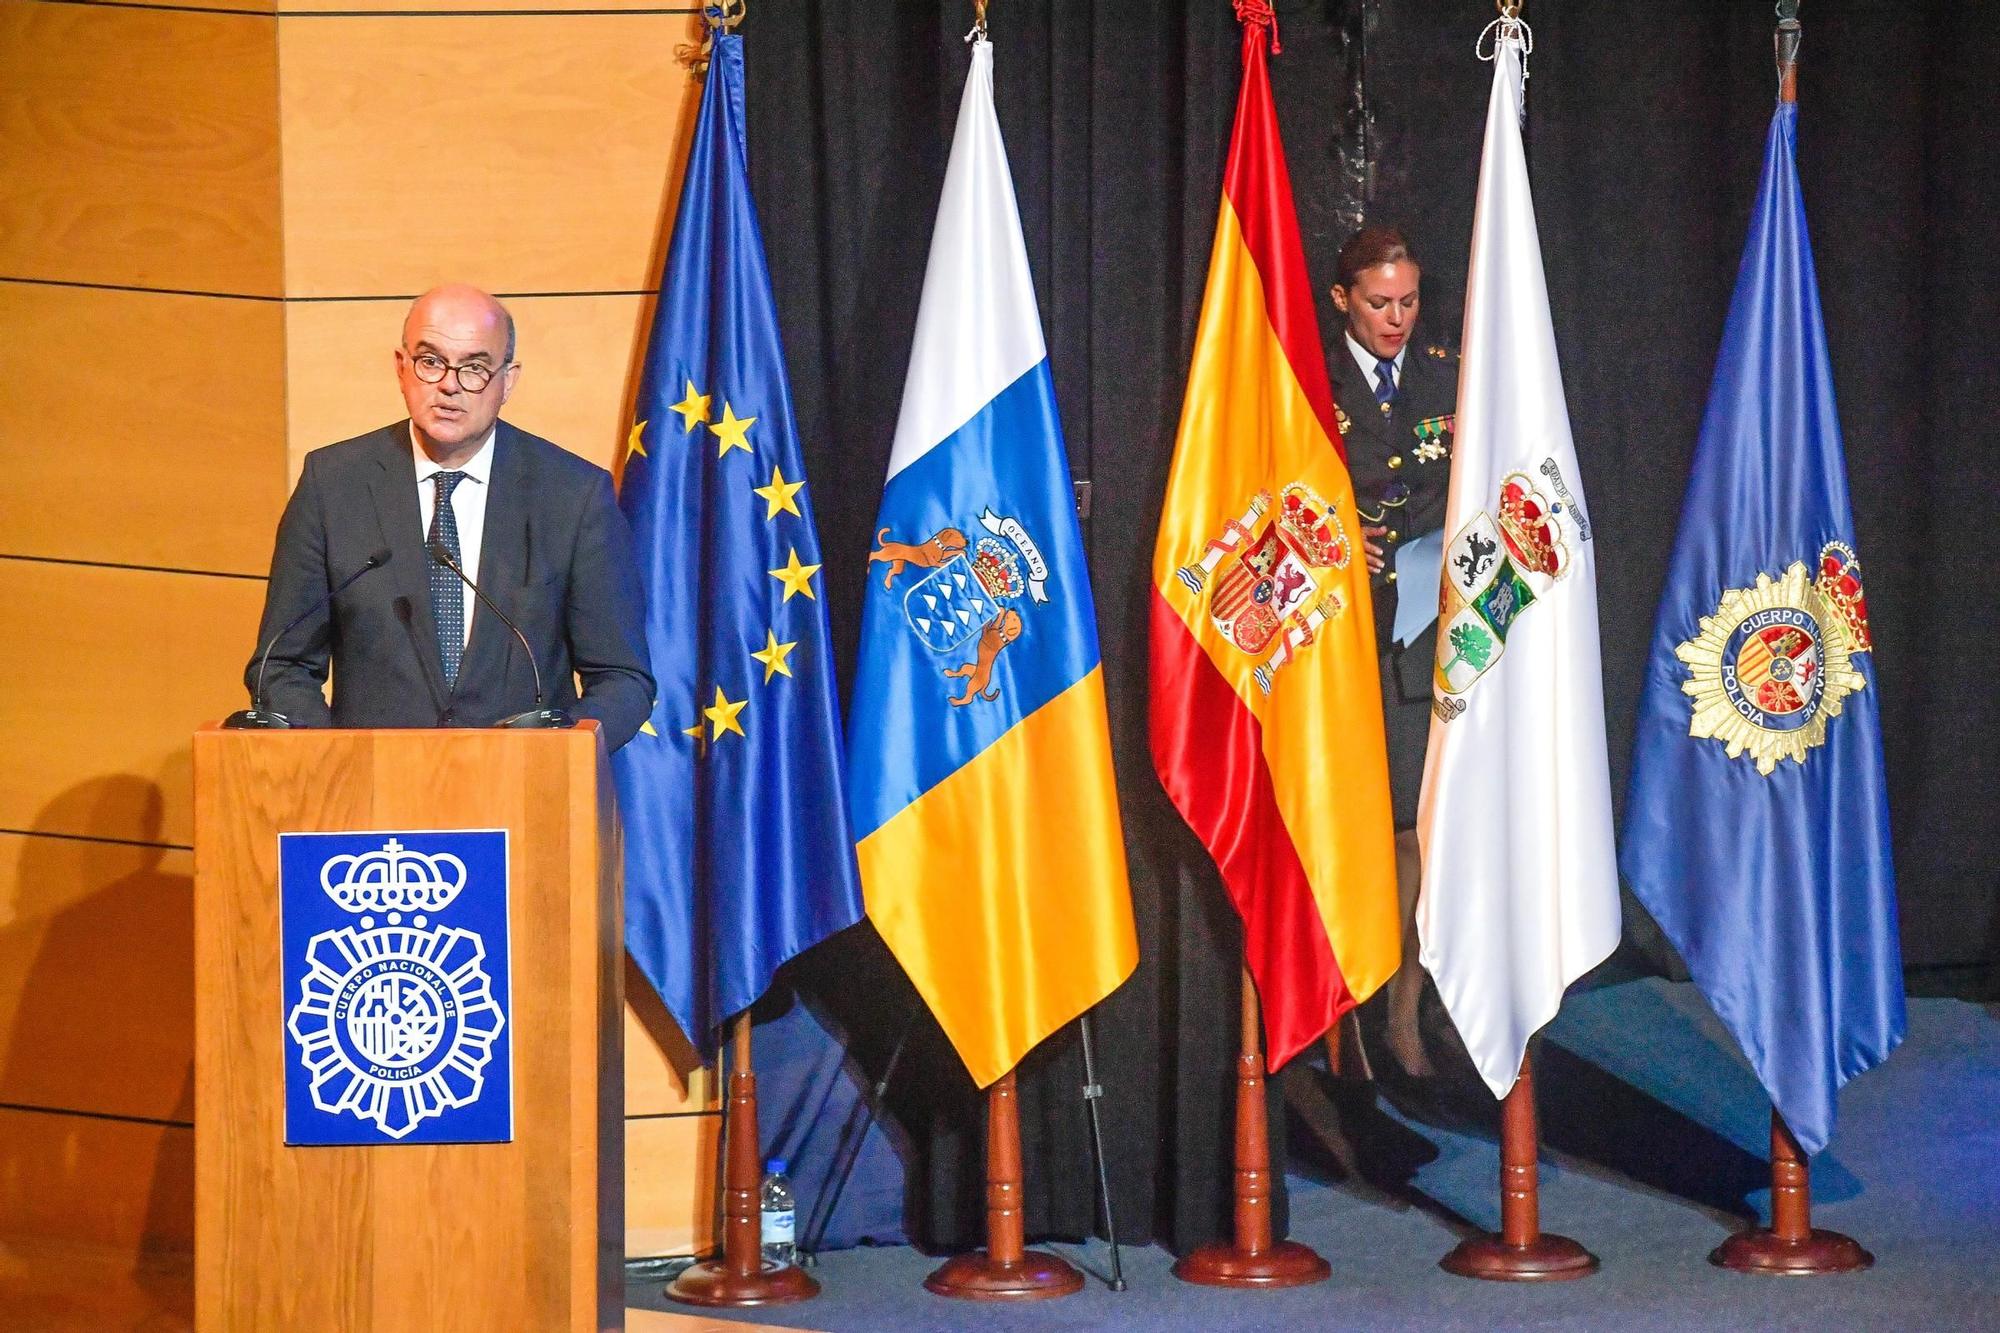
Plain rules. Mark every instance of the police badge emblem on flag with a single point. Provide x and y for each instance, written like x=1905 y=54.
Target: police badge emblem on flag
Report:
x=396 y=988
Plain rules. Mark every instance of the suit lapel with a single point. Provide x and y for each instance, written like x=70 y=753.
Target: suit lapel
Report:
x=394 y=490
x=503 y=555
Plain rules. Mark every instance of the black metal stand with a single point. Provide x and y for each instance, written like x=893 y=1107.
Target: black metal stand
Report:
x=847 y=1152
x=1093 y=1091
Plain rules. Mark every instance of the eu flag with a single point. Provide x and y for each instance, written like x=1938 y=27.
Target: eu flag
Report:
x=1757 y=827
x=737 y=851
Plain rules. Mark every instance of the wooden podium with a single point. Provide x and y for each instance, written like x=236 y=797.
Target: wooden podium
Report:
x=526 y=1234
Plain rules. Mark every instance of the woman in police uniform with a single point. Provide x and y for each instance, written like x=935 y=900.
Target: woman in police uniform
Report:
x=1395 y=402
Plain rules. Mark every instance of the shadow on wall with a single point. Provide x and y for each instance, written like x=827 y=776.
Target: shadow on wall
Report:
x=97 y=1017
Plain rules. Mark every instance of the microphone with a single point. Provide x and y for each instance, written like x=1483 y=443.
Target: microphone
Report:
x=254 y=716
x=538 y=716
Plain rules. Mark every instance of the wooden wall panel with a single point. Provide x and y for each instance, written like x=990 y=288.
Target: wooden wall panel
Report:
x=177 y=463
x=106 y=674
x=520 y=153
x=663 y=1075
x=140 y=147
x=96 y=977
x=578 y=356
x=90 y=1181
x=445 y=7
x=670 y=1185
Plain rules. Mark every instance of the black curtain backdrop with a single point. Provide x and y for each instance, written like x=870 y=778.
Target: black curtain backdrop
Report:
x=1646 y=126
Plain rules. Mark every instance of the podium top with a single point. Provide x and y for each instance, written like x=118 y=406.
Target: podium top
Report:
x=588 y=725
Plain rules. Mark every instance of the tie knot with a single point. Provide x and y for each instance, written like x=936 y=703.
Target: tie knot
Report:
x=446 y=483
x=1385 y=373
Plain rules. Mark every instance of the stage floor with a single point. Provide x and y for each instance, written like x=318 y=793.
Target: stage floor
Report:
x=1654 y=1136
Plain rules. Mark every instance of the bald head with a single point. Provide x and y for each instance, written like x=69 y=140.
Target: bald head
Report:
x=462 y=309
x=456 y=333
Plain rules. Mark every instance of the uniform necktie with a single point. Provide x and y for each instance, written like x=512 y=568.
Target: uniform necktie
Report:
x=447 y=592
x=1385 y=380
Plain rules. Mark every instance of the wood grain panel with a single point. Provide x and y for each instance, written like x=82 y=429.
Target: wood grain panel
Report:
x=96 y=1182
x=434 y=1236
x=408 y=8
x=670 y=1185
x=141 y=147
x=520 y=153
x=579 y=357
x=140 y=428
x=663 y=1075
x=96 y=977
x=106 y=674
x=52 y=1286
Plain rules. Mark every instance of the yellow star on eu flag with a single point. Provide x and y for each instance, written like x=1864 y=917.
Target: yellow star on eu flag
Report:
x=693 y=408
x=778 y=495
x=733 y=430
x=635 y=443
x=722 y=716
x=773 y=655
x=796 y=577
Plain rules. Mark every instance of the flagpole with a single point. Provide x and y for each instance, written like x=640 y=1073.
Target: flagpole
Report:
x=1005 y=1270
x=1251 y=1258
x=1522 y=1251
x=741 y=1276
x=1790 y=1245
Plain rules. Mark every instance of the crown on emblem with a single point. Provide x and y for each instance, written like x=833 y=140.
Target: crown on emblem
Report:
x=1529 y=530
x=1309 y=522
x=393 y=879
x=997 y=570
x=1840 y=583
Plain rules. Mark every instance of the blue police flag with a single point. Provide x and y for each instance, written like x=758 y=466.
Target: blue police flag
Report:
x=1757 y=826
x=737 y=851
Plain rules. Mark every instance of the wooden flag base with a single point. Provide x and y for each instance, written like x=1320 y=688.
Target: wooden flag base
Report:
x=1251 y=1258
x=1791 y=1246
x=1004 y=1270
x=714 y=1283
x=742 y=1276
x=1522 y=1252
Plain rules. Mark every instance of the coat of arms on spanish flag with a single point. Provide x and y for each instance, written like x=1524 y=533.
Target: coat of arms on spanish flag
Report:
x=1266 y=708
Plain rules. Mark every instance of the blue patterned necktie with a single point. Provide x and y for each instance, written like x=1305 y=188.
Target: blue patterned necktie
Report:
x=447 y=592
x=1385 y=381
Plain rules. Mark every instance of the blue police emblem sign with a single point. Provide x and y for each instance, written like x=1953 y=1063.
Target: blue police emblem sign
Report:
x=396 y=987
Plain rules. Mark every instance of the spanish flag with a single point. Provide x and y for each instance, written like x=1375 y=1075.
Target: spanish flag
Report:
x=979 y=756
x=1266 y=711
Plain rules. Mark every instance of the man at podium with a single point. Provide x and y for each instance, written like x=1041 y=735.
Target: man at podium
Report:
x=451 y=569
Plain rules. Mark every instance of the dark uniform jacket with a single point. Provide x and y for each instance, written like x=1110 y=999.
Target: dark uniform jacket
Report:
x=556 y=555
x=1401 y=464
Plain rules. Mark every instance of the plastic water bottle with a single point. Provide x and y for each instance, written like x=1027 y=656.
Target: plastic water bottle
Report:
x=780 y=1215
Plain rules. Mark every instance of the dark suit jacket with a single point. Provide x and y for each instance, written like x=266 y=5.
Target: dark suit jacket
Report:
x=1401 y=464
x=555 y=555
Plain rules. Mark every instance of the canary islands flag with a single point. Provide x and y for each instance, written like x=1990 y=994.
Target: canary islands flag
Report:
x=737 y=852
x=979 y=770
x=1266 y=708
x=1757 y=825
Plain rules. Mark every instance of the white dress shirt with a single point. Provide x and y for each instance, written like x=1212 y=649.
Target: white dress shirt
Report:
x=468 y=505
x=1367 y=359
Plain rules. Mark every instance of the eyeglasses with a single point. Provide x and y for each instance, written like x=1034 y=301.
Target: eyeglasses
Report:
x=432 y=368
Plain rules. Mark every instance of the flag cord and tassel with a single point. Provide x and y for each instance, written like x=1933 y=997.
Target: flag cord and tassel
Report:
x=1250 y=1258
x=1005 y=1270
x=1522 y=1251
x=978 y=33
x=741 y=1276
